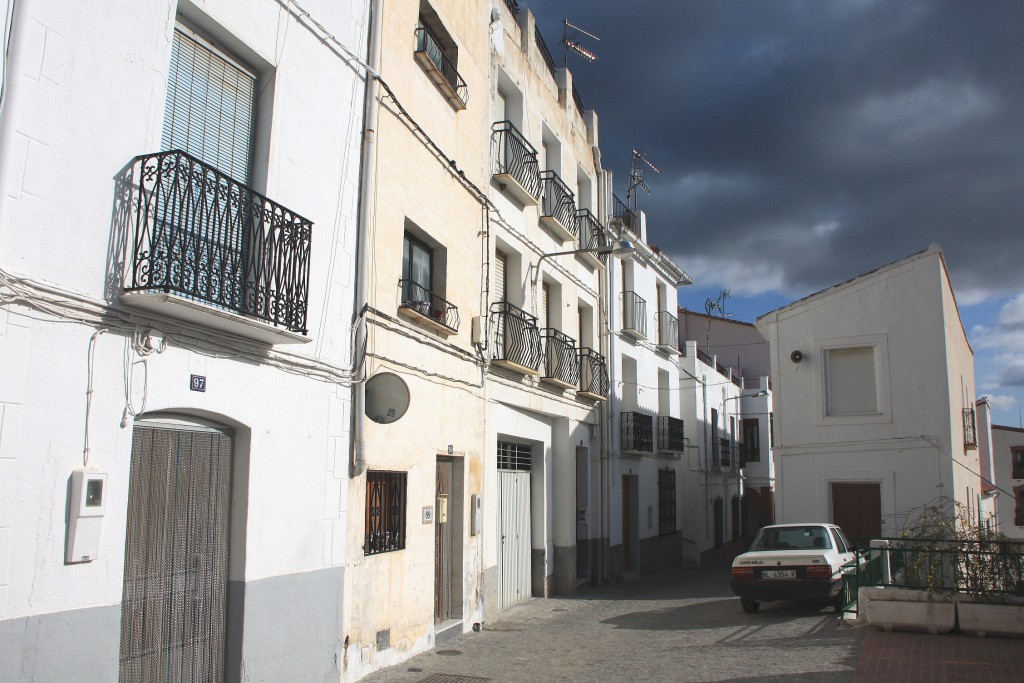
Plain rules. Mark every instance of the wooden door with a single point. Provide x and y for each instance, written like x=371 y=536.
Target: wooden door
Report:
x=857 y=509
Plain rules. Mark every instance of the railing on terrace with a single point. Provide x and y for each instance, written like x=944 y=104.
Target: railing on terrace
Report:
x=593 y=373
x=592 y=233
x=577 y=99
x=558 y=201
x=637 y=432
x=668 y=330
x=192 y=230
x=704 y=358
x=513 y=6
x=514 y=156
x=986 y=569
x=634 y=313
x=628 y=217
x=737 y=380
x=670 y=434
x=755 y=383
x=516 y=337
x=545 y=52
x=561 y=362
x=427 y=43
x=420 y=299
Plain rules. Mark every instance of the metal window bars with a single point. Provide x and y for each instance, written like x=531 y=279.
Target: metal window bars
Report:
x=191 y=230
x=670 y=434
x=666 y=501
x=970 y=429
x=418 y=298
x=385 y=512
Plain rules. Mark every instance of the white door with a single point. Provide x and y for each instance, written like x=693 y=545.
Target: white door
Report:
x=513 y=523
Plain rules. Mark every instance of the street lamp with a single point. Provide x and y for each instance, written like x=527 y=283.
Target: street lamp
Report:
x=619 y=249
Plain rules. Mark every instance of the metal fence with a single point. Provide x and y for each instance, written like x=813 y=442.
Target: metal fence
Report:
x=561 y=362
x=593 y=373
x=514 y=155
x=558 y=201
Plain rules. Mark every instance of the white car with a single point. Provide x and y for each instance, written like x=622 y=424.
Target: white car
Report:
x=792 y=562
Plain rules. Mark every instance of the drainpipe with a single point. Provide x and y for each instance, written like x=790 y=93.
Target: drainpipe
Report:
x=367 y=182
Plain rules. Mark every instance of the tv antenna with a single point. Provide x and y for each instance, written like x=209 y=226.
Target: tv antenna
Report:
x=636 y=177
x=718 y=304
x=571 y=42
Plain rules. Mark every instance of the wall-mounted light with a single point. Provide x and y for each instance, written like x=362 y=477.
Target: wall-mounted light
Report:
x=796 y=356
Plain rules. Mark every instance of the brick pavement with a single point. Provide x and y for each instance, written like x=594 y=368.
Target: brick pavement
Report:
x=950 y=658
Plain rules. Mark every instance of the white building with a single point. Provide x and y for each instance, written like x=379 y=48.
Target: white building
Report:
x=646 y=433
x=873 y=383
x=175 y=337
x=1008 y=460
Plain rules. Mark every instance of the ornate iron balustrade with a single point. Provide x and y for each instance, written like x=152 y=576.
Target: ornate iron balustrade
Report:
x=558 y=202
x=593 y=373
x=634 y=313
x=516 y=337
x=192 y=230
x=637 y=432
x=970 y=429
x=561 y=362
x=668 y=330
x=428 y=44
x=592 y=233
x=420 y=299
x=670 y=434
x=514 y=155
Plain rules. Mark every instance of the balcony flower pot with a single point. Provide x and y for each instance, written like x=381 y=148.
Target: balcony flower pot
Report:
x=901 y=609
x=1003 y=617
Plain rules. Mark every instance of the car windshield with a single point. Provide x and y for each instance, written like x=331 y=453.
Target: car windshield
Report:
x=792 y=538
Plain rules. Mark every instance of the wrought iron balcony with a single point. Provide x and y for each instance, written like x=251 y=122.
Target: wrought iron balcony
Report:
x=724 y=453
x=422 y=304
x=630 y=219
x=561 y=362
x=670 y=434
x=593 y=375
x=515 y=163
x=202 y=246
x=515 y=339
x=637 y=433
x=558 y=207
x=440 y=68
x=668 y=333
x=634 y=315
x=592 y=236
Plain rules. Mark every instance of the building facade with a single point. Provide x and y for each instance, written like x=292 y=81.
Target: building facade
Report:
x=1008 y=461
x=874 y=413
x=178 y=234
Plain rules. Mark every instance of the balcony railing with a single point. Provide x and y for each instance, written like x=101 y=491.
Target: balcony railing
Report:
x=592 y=236
x=515 y=162
x=670 y=434
x=668 y=332
x=724 y=453
x=637 y=432
x=440 y=68
x=629 y=218
x=558 y=206
x=192 y=231
x=515 y=338
x=634 y=314
x=970 y=429
x=561 y=362
x=420 y=301
x=545 y=52
x=704 y=358
x=593 y=375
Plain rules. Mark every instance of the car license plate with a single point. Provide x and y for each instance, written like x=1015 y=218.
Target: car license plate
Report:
x=778 y=573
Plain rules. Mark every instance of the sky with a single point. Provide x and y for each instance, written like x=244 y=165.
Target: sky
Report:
x=803 y=142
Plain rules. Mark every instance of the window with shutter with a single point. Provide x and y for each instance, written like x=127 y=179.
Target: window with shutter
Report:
x=500 y=267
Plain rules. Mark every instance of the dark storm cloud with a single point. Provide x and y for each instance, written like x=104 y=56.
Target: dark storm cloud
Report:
x=823 y=137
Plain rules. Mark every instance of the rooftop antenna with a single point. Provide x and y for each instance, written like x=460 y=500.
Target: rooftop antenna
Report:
x=571 y=42
x=636 y=177
x=710 y=306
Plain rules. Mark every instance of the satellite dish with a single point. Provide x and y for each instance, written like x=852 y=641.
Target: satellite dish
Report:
x=387 y=398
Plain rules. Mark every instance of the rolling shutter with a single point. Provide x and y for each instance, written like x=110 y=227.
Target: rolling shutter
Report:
x=500 y=265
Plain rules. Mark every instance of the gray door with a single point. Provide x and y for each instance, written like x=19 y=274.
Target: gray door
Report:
x=514 y=462
x=443 y=523
x=176 y=556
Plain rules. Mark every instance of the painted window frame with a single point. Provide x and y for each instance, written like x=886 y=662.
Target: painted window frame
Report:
x=883 y=402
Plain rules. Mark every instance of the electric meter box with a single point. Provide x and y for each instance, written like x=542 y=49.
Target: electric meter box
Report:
x=85 y=515
x=476 y=513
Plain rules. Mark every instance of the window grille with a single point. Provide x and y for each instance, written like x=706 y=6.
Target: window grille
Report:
x=970 y=429
x=1018 y=464
x=666 y=501
x=385 y=512
x=514 y=456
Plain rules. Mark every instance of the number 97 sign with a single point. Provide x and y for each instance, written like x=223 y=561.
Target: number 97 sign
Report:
x=197 y=383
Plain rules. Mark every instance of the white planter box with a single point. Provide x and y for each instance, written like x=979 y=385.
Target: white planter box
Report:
x=907 y=610
x=984 y=619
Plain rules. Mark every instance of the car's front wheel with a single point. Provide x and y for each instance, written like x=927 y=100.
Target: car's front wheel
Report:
x=749 y=606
